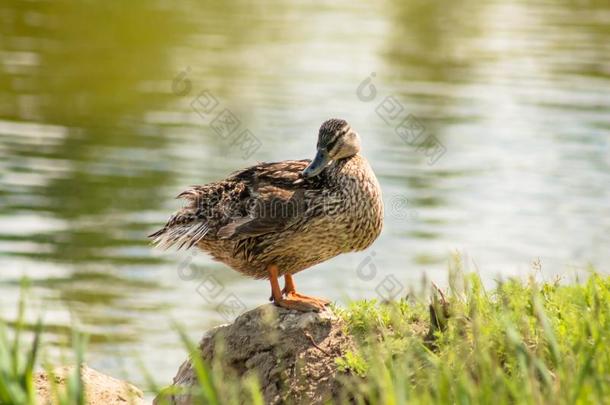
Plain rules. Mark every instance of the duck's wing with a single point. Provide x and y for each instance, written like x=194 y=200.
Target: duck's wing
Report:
x=276 y=198
x=260 y=199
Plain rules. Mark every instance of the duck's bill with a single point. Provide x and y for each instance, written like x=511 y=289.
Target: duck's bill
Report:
x=318 y=164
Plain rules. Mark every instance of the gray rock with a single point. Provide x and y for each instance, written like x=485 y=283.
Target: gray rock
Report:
x=292 y=353
x=100 y=389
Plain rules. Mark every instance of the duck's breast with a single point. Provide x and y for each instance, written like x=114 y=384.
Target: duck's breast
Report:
x=361 y=212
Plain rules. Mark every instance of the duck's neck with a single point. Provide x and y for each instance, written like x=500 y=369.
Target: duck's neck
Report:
x=341 y=165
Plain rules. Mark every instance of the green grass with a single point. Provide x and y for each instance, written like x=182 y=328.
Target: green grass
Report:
x=18 y=362
x=520 y=342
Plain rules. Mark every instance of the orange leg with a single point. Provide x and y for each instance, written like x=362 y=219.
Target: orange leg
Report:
x=289 y=286
x=291 y=301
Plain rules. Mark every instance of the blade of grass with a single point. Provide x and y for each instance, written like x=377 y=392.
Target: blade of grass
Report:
x=204 y=375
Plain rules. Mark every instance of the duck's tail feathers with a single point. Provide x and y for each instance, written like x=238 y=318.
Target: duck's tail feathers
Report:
x=180 y=233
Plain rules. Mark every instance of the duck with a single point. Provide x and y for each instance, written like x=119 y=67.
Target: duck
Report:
x=276 y=219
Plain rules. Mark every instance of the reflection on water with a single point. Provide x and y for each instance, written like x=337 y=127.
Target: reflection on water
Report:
x=94 y=142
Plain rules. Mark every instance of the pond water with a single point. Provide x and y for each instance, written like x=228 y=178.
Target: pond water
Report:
x=102 y=123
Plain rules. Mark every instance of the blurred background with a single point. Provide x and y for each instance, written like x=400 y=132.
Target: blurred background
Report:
x=98 y=134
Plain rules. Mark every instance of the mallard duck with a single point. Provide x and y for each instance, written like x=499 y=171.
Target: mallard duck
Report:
x=277 y=219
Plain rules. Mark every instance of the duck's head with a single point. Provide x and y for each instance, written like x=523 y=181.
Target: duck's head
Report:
x=336 y=140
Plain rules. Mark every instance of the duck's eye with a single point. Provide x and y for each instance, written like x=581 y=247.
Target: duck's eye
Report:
x=331 y=146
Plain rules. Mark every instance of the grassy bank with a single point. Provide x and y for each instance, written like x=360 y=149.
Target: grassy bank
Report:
x=519 y=342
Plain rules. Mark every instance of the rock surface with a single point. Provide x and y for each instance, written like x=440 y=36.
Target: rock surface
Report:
x=292 y=353
x=100 y=389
